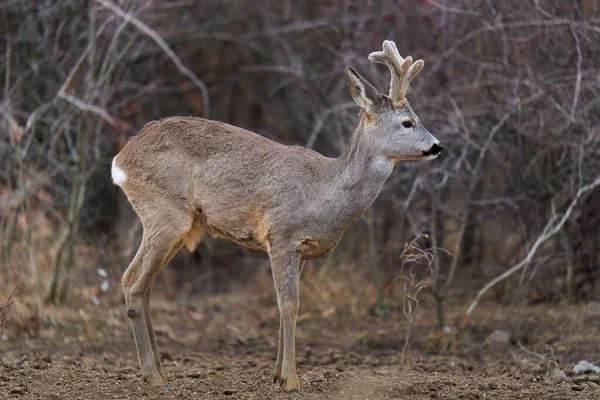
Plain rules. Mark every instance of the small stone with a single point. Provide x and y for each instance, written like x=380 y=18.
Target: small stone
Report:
x=497 y=337
x=553 y=373
x=40 y=365
x=319 y=379
x=21 y=389
x=556 y=376
x=585 y=366
x=229 y=392
x=194 y=375
x=328 y=374
x=577 y=388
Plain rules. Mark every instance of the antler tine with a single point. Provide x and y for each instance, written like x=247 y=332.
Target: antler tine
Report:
x=403 y=70
x=390 y=57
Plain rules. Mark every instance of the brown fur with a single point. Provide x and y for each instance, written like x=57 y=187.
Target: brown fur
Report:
x=369 y=118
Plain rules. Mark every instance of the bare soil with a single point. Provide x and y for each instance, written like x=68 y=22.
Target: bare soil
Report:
x=219 y=349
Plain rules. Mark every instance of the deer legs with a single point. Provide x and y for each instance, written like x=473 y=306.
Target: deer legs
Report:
x=147 y=318
x=286 y=274
x=157 y=249
x=163 y=237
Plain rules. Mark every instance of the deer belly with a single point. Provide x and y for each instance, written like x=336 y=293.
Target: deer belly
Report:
x=311 y=249
x=250 y=232
x=248 y=239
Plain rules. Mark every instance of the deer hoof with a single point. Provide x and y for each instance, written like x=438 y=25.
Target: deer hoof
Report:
x=289 y=385
x=155 y=380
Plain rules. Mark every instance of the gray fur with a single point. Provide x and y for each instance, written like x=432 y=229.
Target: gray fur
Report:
x=186 y=175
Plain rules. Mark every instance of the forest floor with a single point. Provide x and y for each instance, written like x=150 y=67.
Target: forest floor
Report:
x=225 y=346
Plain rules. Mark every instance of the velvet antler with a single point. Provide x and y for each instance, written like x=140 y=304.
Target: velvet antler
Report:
x=403 y=70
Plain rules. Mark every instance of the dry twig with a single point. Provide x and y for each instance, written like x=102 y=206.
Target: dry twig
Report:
x=4 y=310
x=413 y=253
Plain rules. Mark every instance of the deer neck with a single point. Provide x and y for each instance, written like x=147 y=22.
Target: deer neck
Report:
x=360 y=175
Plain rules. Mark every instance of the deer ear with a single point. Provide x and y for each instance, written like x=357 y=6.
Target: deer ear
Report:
x=363 y=93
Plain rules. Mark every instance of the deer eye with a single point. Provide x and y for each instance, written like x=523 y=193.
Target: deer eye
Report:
x=407 y=124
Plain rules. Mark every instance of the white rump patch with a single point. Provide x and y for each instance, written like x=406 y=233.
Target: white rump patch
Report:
x=118 y=175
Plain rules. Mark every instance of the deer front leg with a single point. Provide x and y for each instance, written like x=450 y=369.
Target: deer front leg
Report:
x=279 y=361
x=286 y=274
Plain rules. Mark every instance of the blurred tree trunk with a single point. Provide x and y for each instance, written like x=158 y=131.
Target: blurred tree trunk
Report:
x=373 y=257
x=565 y=242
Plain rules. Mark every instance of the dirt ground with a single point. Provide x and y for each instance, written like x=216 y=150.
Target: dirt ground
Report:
x=213 y=349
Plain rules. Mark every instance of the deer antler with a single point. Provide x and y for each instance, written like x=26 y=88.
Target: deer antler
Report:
x=403 y=69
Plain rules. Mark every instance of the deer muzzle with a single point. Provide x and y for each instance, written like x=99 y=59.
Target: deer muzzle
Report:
x=434 y=150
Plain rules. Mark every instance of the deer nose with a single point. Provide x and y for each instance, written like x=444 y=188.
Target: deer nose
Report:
x=434 y=150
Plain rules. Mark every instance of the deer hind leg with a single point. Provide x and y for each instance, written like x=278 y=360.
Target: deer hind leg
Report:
x=286 y=274
x=161 y=240
x=148 y=320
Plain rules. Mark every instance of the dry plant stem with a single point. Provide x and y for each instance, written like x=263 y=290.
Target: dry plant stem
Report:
x=165 y=47
x=410 y=308
x=527 y=351
x=436 y=267
x=551 y=228
x=4 y=310
x=412 y=253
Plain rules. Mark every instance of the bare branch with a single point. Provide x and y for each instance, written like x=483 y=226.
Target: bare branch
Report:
x=322 y=118
x=455 y=10
x=164 y=46
x=578 y=80
x=88 y=107
x=549 y=230
x=62 y=94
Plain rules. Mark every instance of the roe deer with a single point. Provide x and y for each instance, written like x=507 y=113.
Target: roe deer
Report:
x=186 y=175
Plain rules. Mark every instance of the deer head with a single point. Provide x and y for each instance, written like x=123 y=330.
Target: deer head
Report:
x=390 y=124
